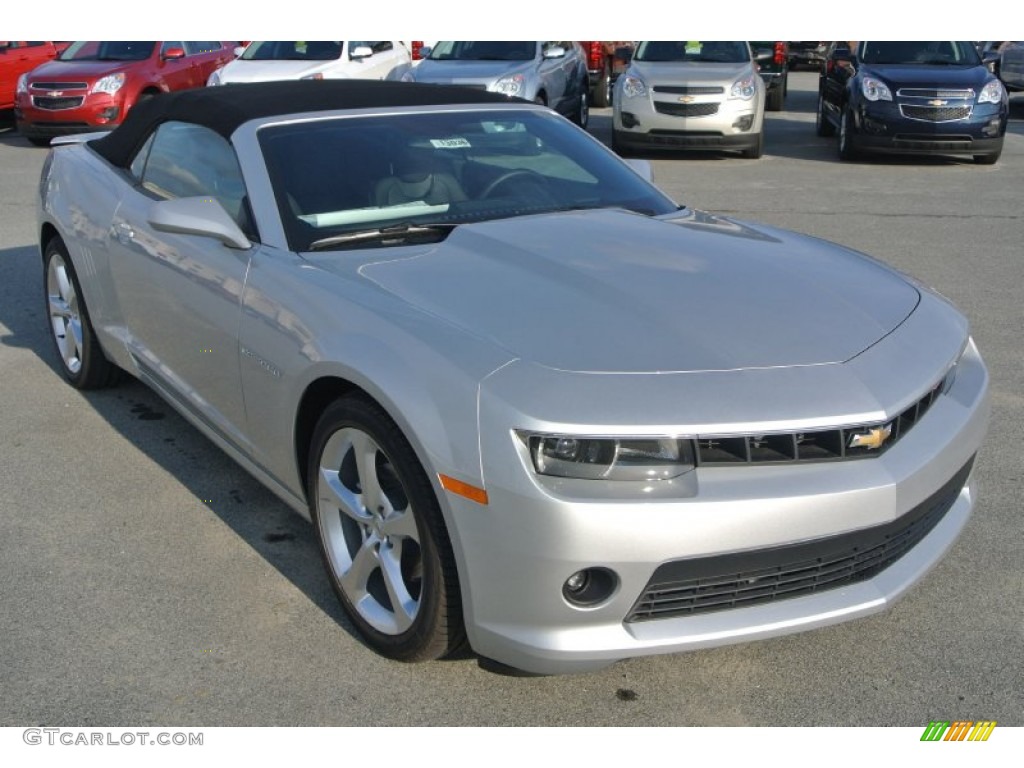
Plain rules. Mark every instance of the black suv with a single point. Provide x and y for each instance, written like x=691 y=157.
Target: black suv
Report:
x=912 y=97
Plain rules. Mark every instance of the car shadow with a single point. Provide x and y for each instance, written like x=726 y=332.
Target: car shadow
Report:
x=266 y=524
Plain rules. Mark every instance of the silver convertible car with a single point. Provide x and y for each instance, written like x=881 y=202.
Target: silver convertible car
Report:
x=527 y=401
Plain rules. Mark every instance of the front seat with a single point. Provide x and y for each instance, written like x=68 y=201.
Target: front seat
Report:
x=417 y=176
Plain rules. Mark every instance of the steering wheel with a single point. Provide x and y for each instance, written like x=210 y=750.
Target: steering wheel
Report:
x=519 y=173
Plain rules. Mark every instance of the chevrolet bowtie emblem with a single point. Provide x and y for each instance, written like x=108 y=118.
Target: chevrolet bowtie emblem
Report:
x=54 y=94
x=872 y=439
x=937 y=103
x=687 y=99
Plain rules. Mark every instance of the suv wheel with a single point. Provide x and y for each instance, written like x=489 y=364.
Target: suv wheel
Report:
x=847 y=148
x=821 y=123
x=603 y=88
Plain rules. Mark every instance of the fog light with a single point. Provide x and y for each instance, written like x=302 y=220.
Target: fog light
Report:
x=589 y=587
x=629 y=120
x=993 y=126
x=744 y=123
x=109 y=113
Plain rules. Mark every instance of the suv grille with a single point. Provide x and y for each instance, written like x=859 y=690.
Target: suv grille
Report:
x=62 y=102
x=47 y=86
x=686 y=110
x=944 y=114
x=740 y=580
x=935 y=93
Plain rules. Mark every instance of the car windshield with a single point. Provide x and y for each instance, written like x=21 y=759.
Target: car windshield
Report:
x=355 y=175
x=121 y=50
x=463 y=50
x=916 y=52
x=693 y=50
x=302 y=50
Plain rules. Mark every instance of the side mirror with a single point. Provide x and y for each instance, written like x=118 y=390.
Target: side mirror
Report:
x=239 y=50
x=361 y=52
x=624 y=54
x=990 y=57
x=173 y=53
x=201 y=216
x=425 y=51
x=554 y=52
x=641 y=167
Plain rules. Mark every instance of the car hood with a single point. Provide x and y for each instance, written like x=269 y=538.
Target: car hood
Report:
x=242 y=71
x=689 y=72
x=929 y=76
x=448 y=72
x=612 y=291
x=84 y=71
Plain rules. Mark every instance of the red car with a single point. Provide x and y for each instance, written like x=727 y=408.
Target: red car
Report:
x=18 y=57
x=92 y=85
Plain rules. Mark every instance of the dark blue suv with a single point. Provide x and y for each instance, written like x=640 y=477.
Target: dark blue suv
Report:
x=914 y=98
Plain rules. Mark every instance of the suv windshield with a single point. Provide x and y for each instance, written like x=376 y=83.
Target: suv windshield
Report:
x=359 y=174
x=693 y=50
x=916 y=52
x=113 y=51
x=301 y=50
x=462 y=50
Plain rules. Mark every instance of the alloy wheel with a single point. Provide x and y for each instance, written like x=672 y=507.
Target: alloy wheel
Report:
x=65 y=319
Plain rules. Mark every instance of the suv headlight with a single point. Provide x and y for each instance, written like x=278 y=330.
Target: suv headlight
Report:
x=110 y=84
x=22 y=86
x=633 y=86
x=744 y=88
x=510 y=85
x=992 y=93
x=590 y=458
x=875 y=90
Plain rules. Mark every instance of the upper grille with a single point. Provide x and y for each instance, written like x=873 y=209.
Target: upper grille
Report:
x=47 y=86
x=743 y=579
x=686 y=110
x=62 y=102
x=945 y=114
x=693 y=90
x=811 y=445
x=935 y=93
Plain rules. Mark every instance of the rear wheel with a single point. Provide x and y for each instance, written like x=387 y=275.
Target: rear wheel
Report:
x=82 y=360
x=776 y=97
x=821 y=123
x=381 y=534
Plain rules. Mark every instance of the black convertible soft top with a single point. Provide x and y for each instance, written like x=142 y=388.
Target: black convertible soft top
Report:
x=224 y=108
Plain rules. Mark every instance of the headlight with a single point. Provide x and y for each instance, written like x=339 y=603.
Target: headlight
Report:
x=875 y=90
x=633 y=86
x=22 y=86
x=744 y=88
x=992 y=93
x=510 y=85
x=110 y=84
x=589 y=458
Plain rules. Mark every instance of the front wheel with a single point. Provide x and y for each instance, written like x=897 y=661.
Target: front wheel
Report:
x=81 y=357
x=821 y=124
x=381 y=534
x=603 y=88
x=582 y=116
x=847 y=148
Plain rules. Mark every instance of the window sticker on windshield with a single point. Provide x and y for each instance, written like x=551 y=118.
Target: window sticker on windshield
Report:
x=456 y=143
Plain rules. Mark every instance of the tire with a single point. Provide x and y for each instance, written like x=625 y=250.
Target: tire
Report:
x=990 y=159
x=617 y=146
x=603 y=88
x=381 y=534
x=82 y=360
x=821 y=123
x=755 y=151
x=541 y=99
x=847 y=147
x=582 y=116
x=776 y=98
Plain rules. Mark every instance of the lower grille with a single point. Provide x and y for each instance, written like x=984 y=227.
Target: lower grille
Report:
x=935 y=114
x=686 y=110
x=55 y=103
x=932 y=143
x=740 y=580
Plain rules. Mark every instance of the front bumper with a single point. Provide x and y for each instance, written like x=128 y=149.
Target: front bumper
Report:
x=517 y=552
x=96 y=112
x=663 y=121
x=882 y=127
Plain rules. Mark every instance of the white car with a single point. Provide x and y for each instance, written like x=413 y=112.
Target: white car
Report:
x=316 y=60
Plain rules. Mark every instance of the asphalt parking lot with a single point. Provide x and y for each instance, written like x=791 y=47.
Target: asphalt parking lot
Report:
x=148 y=580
